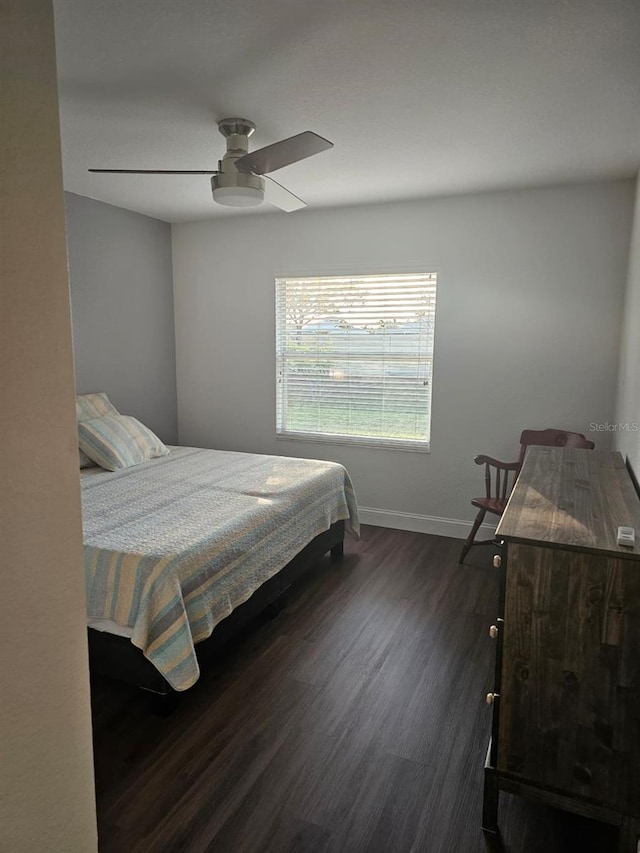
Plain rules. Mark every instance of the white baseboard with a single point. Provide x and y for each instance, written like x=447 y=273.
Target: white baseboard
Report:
x=422 y=523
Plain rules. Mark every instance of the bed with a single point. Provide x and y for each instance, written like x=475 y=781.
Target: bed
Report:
x=183 y=549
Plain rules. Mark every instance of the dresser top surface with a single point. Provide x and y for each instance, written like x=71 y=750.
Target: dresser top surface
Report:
x=566 y=497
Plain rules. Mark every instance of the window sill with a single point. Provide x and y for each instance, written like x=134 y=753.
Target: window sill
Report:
x=348 y=441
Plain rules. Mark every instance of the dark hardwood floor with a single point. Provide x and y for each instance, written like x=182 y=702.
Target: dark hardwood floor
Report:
x=353 y=721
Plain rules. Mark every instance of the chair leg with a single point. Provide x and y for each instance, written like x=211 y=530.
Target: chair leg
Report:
x=469 y=542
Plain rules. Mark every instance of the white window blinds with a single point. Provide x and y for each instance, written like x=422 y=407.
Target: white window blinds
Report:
x=354 y=358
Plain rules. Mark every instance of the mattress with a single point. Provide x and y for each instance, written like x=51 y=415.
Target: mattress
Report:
x=173 y=545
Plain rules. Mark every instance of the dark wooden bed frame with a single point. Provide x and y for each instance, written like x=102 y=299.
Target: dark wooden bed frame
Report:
x=116 y=657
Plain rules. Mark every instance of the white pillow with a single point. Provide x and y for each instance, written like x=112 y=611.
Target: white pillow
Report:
x=118 y=441
x=97 y=405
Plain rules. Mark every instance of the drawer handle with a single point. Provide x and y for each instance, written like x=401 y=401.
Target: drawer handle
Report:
x=493 y=632
x=497 y=561
x=491 y=698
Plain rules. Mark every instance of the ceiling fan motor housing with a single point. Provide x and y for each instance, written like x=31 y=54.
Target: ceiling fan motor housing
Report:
x=237 y=132
x=233 y=187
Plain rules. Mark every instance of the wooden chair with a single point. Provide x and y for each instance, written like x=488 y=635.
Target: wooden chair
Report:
x=500 y=477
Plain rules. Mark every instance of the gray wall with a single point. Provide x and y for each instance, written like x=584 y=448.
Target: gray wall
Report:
x=627 y=422
x=530 y=296
x=122 y=307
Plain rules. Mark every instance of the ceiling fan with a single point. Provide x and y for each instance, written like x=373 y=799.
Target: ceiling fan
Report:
x=241 y=178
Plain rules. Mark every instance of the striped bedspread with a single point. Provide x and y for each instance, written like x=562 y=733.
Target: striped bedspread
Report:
x=172 y=546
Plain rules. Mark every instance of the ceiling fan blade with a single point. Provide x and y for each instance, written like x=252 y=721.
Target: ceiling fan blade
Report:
x=283 y=153
x=279 y=196
x=156 y=171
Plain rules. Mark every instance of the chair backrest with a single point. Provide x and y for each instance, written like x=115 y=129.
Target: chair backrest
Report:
x=552 y=438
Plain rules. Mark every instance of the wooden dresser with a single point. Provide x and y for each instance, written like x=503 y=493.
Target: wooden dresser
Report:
x=566 y=696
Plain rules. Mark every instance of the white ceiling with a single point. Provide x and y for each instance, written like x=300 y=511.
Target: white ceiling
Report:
x=420 y=97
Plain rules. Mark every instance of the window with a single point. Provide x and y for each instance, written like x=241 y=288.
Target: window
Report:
x=354 y=358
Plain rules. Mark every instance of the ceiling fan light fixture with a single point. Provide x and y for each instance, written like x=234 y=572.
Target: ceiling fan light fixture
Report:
x=238 y=190
x=238 y=196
